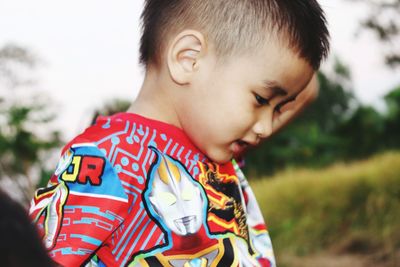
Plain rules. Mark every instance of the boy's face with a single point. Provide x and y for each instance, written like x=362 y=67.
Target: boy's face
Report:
x=232 y=105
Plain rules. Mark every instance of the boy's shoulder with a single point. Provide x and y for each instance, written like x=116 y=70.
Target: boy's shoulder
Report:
x=129 y=129
x=128 y=141
x=104 y=126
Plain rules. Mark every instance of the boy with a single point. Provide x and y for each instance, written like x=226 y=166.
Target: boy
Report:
x=156 y=186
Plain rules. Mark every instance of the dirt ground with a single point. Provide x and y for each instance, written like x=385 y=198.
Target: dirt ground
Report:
x=340 y=260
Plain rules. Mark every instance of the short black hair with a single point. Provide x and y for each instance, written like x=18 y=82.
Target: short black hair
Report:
x=235 y=26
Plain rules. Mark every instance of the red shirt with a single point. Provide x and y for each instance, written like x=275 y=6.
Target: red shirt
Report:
x=131 y=190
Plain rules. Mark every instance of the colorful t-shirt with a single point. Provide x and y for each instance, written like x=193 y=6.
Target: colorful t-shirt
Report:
x=131 y=191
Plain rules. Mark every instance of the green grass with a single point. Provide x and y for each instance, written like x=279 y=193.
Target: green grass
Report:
x=347 y=206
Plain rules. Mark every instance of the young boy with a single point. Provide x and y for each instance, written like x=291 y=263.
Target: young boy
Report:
x=157 y=186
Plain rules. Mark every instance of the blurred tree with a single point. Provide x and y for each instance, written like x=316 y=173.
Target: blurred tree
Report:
x=384 y=20
x=362 y=133
x=22 y=116
x=368 y=131
x=335 y=101
x=12 y=57
x=392 y=123
x=393 y=103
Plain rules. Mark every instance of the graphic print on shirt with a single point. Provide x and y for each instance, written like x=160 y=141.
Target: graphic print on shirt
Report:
x=175 y=198
x=50 y=200
x=76 y=185
x=179 y=205
x=94 y=210
x=226 y=205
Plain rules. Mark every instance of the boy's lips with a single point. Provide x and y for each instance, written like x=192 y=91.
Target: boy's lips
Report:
x=237 y=149
x=239 y=146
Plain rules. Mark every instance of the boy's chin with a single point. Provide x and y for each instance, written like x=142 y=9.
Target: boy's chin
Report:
x=220 y=157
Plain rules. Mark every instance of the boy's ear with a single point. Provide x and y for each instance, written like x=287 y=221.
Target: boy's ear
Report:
x=184 y=54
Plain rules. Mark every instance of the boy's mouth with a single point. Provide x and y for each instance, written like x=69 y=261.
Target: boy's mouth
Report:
x=239 y=146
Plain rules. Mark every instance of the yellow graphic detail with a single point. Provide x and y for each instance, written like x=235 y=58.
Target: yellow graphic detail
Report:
x=216 y=198
x=168 y=169
x=224 y=178
x=44 y=195
x=210 y=174
x=71 y=177
x=53 y=219
x=168 y=260
x=227 y=225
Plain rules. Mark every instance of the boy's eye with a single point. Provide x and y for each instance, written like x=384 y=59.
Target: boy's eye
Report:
x=261 y=101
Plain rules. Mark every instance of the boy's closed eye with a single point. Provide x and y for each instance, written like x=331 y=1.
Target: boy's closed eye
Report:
x=261 y=100
x=280 y=108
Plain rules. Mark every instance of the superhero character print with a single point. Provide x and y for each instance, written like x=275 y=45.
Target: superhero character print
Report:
x=175 y=198
x=179 y=205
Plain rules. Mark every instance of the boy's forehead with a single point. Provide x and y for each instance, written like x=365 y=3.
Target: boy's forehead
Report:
x=276 y=65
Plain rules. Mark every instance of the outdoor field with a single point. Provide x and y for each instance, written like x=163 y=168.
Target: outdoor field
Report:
x=343 y=215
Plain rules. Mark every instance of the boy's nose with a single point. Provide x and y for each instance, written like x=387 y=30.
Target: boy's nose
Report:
x=263 y=127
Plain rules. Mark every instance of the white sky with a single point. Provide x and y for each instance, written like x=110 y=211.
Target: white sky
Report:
x=90 y=50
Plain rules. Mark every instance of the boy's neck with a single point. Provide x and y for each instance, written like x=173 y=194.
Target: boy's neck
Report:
x=154 y=100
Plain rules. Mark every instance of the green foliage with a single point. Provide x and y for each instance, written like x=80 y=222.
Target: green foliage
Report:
x=362 y=133
x=20 y=147
x=309 y=210
x=368 y=131
x=393 y=103
x=392 y=125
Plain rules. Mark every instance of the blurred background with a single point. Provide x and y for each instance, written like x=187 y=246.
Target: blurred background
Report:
x=328 y=184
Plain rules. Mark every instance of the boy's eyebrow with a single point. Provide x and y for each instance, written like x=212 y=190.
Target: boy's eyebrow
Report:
x=276 y=89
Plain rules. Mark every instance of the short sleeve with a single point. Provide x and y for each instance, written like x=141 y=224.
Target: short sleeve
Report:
x=259 y=235
x=82 y=205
